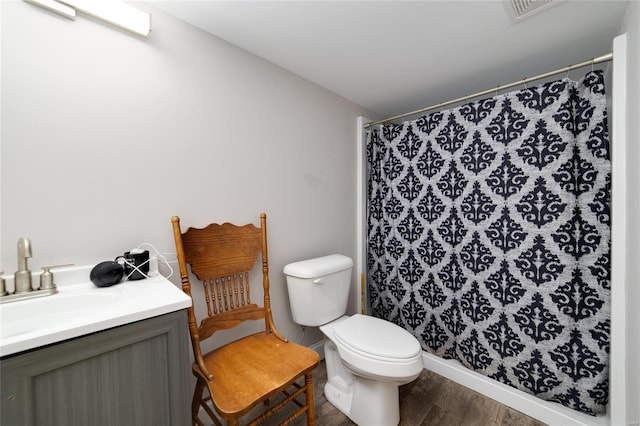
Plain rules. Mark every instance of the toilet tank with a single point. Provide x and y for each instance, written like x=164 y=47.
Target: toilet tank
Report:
x=319 y=288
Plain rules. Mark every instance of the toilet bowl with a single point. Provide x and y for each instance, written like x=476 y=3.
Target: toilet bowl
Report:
x=367 y=358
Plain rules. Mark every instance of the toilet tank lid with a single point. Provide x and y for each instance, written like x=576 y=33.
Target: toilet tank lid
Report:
x=319 y=266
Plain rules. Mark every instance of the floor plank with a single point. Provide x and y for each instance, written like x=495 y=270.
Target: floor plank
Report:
x=430 y=400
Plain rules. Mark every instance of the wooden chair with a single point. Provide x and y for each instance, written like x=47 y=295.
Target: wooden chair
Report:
x=254 y=368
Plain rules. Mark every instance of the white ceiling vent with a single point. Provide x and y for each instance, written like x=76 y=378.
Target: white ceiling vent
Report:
x=523 y=9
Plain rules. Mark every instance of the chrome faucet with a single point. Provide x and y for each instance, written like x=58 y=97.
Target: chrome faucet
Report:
x=22 y=288
x=22 y=277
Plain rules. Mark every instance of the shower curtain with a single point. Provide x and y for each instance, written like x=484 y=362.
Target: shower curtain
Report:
x=489 y=237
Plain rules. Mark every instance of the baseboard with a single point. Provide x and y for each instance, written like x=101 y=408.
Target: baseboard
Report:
x=318 y=347
x=546 y=411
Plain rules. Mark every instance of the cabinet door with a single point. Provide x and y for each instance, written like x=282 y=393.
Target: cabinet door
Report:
x=136 y=374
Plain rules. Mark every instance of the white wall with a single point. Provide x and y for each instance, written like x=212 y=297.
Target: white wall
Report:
x=106 y=135
x=631 y=26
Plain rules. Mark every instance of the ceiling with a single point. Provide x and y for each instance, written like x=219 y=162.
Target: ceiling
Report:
x=392 y=57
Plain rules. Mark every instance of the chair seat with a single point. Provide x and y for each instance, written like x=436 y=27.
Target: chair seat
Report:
x=248 y=370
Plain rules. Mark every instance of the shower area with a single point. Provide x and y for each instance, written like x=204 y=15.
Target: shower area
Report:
x=488 y=236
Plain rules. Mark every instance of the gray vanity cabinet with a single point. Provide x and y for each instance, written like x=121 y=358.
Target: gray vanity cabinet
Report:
x=135 y=374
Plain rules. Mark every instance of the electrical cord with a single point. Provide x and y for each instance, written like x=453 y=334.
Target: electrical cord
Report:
x=155 y=256
x=158 y=257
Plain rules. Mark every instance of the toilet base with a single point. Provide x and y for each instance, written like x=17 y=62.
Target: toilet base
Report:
x=338 y=397
x=372 y=403
x=365 y=401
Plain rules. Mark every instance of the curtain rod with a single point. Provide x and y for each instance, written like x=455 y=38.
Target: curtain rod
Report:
x=597 y=60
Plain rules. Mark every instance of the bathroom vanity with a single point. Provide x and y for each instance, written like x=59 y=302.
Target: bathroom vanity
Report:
x=97 y=356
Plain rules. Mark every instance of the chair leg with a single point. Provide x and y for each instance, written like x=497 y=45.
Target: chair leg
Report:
x=196 y=401
x=311 y=412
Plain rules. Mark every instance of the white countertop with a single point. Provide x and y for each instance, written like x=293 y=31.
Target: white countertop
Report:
x=81 y=308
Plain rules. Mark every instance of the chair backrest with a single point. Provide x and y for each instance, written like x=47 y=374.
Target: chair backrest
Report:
x=222 y=257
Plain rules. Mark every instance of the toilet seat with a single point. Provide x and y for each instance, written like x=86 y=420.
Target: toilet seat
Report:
x=375 y=349
x=376 y=338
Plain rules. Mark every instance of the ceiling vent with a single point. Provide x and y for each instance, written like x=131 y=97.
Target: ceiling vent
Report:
x=523 y=9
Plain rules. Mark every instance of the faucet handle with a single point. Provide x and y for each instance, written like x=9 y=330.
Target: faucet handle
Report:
x=46 y=278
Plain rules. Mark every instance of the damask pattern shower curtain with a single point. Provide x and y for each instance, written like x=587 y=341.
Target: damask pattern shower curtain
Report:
x=489 y=237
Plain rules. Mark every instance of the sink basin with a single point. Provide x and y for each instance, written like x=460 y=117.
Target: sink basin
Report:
x=34 y=314
x=81 y=308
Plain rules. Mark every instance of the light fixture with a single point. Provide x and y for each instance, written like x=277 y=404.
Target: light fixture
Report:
x=113 y=11
x=55 y=6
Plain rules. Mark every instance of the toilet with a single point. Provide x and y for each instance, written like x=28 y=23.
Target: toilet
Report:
x=367 y=358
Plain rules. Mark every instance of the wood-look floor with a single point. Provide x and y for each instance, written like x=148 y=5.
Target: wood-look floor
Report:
x=430 y=400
